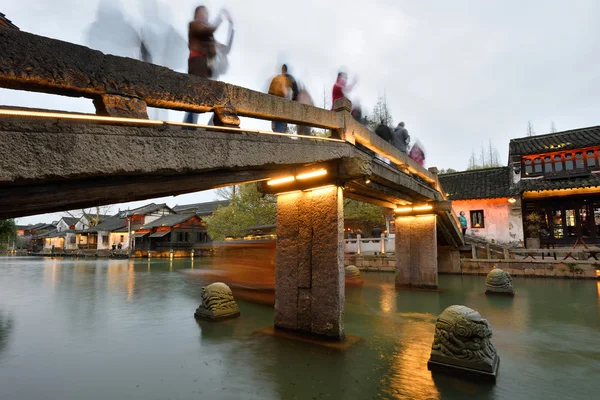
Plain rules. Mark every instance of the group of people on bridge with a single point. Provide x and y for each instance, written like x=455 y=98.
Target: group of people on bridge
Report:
x=208 y=59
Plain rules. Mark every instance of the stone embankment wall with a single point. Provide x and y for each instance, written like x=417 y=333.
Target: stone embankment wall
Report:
x=549 y=268
x=371 y=262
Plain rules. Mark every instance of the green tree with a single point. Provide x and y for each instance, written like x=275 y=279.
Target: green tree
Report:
x=381 y=113
x=8 y=231
x=248 y=207
x=368 y=216
x=447 y=171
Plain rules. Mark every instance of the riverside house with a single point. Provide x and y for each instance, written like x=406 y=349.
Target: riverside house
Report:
x=556 y=176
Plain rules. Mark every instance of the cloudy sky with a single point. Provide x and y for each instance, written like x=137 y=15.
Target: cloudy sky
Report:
x=459 y=73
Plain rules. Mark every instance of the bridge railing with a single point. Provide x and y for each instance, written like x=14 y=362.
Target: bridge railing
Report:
x=362 y=245
x=123 y=87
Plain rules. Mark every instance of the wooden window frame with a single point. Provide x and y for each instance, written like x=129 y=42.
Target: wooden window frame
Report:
x=563 y=162
x=473 y=212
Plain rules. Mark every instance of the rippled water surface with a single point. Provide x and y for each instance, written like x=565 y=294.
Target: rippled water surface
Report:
x=121 y=329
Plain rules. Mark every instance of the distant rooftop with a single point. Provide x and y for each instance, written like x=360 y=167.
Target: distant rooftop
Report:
x=109 y=224
x=70 y=220
x=169 y=220
x=485 y=183
x=147 y=209
x=566 y=140
x=202 y=208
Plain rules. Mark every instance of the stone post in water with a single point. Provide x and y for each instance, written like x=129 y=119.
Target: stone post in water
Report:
x=499 y=282
x=462 y=345
x=353 y=277
x=217 y=303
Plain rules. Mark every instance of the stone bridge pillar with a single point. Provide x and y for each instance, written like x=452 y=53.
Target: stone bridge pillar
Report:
x=309 y=278
x=416 y=252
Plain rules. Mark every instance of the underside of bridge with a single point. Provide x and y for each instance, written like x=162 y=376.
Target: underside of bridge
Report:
x=52 y=162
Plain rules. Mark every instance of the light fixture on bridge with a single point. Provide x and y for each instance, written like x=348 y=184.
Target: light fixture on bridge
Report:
x=367 y=181
x=318 y=188
x=306 y=175
x=96 y=118
x=512 y=200
x=279 y=181
x=313 y=174
x=424 y=207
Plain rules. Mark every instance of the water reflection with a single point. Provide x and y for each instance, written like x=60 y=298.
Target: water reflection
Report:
x=131 y=323
x=388 y=299
x=409 y=377
x=130 y=281
x=6 y=329
x=52 y=272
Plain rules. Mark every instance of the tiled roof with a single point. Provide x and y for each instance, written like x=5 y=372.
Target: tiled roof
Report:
x=52 y=234
x=169 y=220
x=147 y=209
x=529 y=185
x=567 y=140
x=6 y=22
x=42 y=226
x=477 y=184
x=202 y=208
x=70 y=220
x=109 y=225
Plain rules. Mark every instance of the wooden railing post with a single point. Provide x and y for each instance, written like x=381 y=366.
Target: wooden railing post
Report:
x=488 y=251
x=473 y=251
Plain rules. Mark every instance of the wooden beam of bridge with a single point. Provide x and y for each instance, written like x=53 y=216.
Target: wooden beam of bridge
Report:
x=39 y=64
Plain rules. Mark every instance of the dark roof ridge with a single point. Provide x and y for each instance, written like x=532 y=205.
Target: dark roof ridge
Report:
x=554 y=134
x=472 y=171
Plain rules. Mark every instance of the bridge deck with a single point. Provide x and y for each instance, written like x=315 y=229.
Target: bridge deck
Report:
x=50 y=163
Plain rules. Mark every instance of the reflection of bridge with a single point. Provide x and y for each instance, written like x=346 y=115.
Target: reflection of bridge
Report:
x=53 y=161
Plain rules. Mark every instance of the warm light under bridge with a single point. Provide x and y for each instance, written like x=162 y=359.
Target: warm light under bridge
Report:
x=291 y=178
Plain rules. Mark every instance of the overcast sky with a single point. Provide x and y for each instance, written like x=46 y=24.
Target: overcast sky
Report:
x=459 y=73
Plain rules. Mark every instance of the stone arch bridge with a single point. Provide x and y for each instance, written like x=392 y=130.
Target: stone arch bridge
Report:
x=52 y=160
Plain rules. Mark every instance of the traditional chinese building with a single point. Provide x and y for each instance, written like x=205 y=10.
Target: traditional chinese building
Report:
x=180 y=233
x=485 y=196
x=556 y=176
x=64 y=238
x=111 y=231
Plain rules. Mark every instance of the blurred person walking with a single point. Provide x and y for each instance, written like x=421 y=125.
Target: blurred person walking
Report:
x=400 y=138
x=203 y=47
x=341 y=88
x=283 y=85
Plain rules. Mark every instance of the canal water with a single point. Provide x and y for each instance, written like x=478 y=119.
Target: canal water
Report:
x=122 y=329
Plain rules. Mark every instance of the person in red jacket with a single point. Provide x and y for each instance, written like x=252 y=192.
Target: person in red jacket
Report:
x=341 y=87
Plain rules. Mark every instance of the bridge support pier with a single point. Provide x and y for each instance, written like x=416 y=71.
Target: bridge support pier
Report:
x=309 y=278
x=416 y=252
